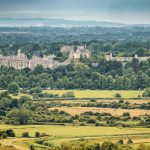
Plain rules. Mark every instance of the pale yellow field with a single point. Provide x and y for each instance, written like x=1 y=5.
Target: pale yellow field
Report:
x=117 y=112
x=99 y=93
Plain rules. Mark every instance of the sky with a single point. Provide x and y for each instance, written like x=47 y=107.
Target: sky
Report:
x=122 y=11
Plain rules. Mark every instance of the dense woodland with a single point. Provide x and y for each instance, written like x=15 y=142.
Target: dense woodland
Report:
x=92 y=73
x=107 y=75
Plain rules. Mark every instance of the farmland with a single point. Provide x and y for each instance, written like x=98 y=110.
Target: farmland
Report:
x=99 y=93
x=58 y=134
x=79 y=110
x=94 y=115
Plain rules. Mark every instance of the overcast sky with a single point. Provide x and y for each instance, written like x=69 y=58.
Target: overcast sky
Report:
x=125 y=11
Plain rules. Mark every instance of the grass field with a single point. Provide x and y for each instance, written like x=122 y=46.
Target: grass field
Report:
x=59 y=134
x=75 y=131
x=99 y=93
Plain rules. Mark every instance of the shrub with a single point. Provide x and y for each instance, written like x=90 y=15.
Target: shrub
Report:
x=4 y=136
x=35 y=90
x=25 y=134
x=126 y=114
x=13 y=88
x=91 y=121
x=129 y=141
x=37 y=134
x=32 y=147
x=69 y=94
x=118 y=95
x=97 y=124
x=146 y=93
x=24 y=99
x=108 y=146
x=93 y=100
x=10 y=133
x=120 y=141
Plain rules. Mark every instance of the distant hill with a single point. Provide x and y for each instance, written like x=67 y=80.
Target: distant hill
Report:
x=38 y=22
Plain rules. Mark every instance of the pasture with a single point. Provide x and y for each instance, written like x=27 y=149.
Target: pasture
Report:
x=99 y=93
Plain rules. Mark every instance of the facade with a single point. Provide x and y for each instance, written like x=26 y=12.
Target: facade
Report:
x=81 y=51
x=125 y=59
x=21 y=61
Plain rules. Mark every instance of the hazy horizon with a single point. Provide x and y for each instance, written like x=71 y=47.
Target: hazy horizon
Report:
x=120 y=11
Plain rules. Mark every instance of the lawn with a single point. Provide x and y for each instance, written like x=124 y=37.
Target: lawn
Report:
x=99 y=93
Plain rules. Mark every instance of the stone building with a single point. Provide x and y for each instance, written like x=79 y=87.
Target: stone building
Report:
x=125 y=59
x=75 y=52
x=21 y=61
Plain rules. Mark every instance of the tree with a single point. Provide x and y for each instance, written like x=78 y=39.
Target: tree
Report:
x=13 y=88
x=19 y=116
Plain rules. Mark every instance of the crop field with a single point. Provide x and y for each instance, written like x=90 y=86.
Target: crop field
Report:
x=132 y=101
x=78 y=110
x=99 y=93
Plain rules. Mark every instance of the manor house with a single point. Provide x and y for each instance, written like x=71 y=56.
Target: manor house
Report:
x=125 y=59
x=75 y=52
x=21 y=61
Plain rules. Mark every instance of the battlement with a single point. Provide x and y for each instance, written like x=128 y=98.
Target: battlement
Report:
x=125 y=59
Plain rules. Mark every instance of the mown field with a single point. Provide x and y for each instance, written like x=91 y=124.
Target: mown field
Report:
x=99 y=93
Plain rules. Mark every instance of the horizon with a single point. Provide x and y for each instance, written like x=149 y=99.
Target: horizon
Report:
x=125 y=11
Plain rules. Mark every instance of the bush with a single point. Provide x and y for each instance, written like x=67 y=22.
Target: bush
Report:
x=91 y=121
x=37 y=134
x=120 y=141
x=35 y=90
x=4 y=136
x=146 y=93
x=69 y=94
x=126 y=114
x=129 y=141
x=13 y=88
x=108 y=146
x=118 y=95
x=24 y=99
x=97 y=124
x=32 y=147
x=10 y=133
x=25 y=134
